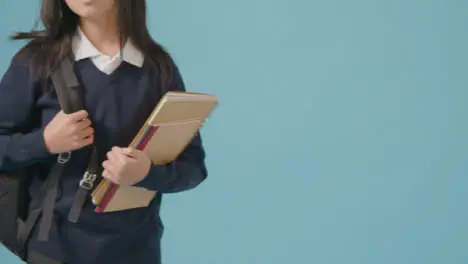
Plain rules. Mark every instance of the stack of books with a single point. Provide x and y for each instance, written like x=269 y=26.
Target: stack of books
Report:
x=164 y=136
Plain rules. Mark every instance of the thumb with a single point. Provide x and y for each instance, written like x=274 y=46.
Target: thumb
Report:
x=131 y=152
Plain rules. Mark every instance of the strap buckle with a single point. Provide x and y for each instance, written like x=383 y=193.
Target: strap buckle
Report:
x=64 y=157
x=88 y=180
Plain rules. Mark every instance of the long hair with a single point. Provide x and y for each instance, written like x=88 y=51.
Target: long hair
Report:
x=49 y=46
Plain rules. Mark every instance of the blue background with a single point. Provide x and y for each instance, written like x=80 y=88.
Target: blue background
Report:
x=341 y=137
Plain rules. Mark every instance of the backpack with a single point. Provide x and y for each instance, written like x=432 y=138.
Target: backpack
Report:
x=17 y=220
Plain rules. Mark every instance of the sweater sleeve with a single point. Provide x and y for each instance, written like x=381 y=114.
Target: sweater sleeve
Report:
x=20 y=144
x=185 y=173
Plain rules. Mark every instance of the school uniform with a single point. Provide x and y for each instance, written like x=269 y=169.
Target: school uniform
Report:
x=119 y=93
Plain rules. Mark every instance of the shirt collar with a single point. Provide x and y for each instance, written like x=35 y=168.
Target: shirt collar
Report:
x=83 y=49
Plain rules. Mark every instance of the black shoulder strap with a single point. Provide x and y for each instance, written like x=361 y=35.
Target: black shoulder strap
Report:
x=70 y=95
x=67 y=87
x=71 y=100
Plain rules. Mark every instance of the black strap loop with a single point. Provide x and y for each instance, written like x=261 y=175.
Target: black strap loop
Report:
x=86 y=184
x=47 y=197
x=48 y=202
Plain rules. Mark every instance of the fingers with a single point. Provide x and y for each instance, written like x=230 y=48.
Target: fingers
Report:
x=114 y=165
x=116 y=162
x=121 y=168
x=127 y=154
x=87 y=132
x=83 y=124
x=78 y=116
x=84 y=138
x=88 y=141
x=108 y=166
x=83 y=142
x=110 y=172
x=115 y=156
x=130 y=152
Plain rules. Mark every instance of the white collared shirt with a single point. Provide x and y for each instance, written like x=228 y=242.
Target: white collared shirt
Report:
x=83 y=49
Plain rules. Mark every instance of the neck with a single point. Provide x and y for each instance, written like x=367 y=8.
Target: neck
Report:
x=103 y=33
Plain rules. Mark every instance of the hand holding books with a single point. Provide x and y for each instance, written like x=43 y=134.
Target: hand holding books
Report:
x=126 y=166
x=164 y=136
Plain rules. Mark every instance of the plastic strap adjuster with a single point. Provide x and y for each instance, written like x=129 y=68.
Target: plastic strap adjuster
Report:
x=88 y=180
x=64 y=157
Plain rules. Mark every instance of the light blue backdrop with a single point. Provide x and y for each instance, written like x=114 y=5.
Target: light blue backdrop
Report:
x=342 y=134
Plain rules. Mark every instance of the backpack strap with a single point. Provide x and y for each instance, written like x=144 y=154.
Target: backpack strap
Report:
x=71 y=99
x=72 y=92
x=67 y=87
x=70 y=95
x=85 y=186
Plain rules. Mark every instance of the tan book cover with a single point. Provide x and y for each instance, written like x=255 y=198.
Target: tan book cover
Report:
x=165 y=135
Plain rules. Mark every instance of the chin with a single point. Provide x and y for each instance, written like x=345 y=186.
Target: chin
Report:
x=91 y=9
x=88 y=13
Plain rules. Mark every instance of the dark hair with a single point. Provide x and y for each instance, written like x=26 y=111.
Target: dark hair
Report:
x=52 y=44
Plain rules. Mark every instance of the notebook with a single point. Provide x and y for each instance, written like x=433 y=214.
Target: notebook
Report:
x=164 y=136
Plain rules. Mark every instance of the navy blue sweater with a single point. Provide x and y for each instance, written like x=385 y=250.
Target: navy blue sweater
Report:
x=118 y=104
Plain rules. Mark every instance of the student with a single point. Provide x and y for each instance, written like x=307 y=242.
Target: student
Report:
x=123 y=73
